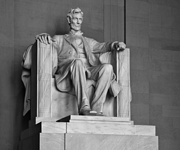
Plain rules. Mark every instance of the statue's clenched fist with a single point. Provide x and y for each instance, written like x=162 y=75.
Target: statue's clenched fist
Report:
x=119 y=45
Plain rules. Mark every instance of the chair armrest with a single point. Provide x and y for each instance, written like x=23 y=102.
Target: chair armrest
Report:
x=44 y=77
x=123 y=78
x=121 y=64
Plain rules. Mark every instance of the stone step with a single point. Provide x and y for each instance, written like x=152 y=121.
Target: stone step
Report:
x=110 y=142
x=45 y=127
x=109 y=128
x=93 y=118
x=96 y=119
x=123 y=122
x=89 y=132
x=89 y=128
x=75 y=141
x=77 y=118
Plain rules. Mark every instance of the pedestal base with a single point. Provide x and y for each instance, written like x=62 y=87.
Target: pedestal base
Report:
x=89 y=133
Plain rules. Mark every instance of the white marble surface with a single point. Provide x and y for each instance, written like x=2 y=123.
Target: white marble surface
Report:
x=49 y=100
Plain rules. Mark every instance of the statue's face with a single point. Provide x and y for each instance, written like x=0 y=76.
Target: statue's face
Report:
x=76 y=21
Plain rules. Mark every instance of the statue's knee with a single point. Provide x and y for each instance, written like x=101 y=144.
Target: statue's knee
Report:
x=108 y=68
x=77 y=65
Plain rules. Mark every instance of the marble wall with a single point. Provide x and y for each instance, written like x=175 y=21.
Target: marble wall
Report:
x=7 y=79
x=153 y=35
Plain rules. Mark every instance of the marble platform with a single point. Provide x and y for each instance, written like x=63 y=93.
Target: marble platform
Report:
x=89 y=133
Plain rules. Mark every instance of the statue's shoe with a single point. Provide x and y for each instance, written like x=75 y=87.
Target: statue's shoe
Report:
x=85 y=111
x=91 y=113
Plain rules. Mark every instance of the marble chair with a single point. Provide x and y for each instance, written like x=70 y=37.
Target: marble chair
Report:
x=47 y=103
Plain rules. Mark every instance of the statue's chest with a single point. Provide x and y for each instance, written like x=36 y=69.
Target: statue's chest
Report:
x=77 y=41
x=78 y=44
x=71 y=48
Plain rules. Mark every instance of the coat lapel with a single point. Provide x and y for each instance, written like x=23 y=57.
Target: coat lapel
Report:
x=69 y=40
x=91 y=58
x=88 y=51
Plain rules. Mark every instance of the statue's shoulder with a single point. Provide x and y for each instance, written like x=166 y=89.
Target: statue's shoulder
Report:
x=88 y=39
x=58 y=38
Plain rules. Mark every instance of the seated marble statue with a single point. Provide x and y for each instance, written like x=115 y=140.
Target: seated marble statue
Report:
x=77 y=62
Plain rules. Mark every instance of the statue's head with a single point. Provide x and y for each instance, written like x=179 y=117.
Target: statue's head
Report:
x=75 y=19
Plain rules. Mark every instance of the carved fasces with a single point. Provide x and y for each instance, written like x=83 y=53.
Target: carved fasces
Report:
x=44 y=77
x=124 y=97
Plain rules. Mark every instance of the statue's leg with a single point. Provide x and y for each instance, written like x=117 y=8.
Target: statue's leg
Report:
x=102 y=74
x=78 y=77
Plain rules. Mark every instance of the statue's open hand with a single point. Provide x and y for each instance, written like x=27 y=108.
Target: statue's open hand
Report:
x=44 y=38
x=119 y=46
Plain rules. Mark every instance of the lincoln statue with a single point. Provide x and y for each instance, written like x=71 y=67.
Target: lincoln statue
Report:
x=77 y=62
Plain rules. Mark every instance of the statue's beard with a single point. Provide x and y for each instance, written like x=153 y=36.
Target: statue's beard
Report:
x=75 y=28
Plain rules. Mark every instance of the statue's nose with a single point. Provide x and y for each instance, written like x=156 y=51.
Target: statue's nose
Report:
x=78 y=21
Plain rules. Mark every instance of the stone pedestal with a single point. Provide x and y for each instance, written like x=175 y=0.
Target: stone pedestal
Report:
x=89 y=133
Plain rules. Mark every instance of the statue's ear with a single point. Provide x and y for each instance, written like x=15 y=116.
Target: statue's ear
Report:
x=69 y=19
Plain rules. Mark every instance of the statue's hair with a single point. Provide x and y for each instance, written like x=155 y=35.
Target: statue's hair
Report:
x=72 y=12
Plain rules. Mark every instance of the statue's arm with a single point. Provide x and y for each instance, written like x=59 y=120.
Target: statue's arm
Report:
x=98 y=47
